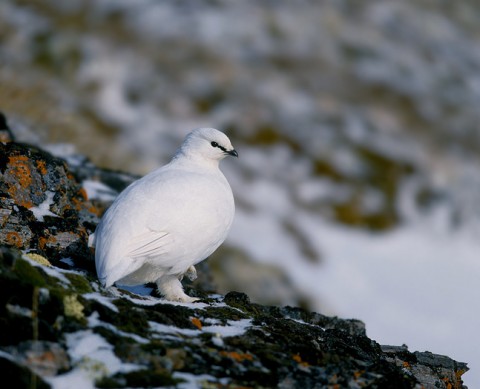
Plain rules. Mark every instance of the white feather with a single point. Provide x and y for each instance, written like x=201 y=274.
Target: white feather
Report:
x=170 y=219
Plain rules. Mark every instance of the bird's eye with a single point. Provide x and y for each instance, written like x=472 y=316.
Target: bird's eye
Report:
x=214 y=144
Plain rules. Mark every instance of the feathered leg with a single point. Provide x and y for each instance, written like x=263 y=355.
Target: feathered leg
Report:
x=171 y=288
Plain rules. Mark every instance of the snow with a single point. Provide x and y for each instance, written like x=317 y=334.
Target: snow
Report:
x=144 y=298
x=165 y=330
x=92 y=357
x=305 y=323
x=51 y=271
x=94 y=321
x=198 y=381
x=43 y=209
x=107 y=301
x=74 y=379
x=233 y=328
x=68 y=261
x=98 y=191
x=415 y=285
x=4 y=354
x=18 y=310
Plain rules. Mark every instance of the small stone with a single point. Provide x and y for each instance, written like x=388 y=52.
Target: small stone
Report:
x=14 y=375
x=45 y=358
x=236 y=298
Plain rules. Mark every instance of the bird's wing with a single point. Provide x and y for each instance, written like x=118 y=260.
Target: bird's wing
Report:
x=149 y=244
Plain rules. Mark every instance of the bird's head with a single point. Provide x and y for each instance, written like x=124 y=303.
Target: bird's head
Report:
x=208 y=144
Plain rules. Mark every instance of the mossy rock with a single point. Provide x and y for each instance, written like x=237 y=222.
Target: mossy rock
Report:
x=79 y=284
x=30 y=274
x=139 y=379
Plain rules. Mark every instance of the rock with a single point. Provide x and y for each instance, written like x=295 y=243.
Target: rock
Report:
x=15 y=375
x=57 y=322
x=42 y=205
x=222 y=340
x=44 y=358
x=431 y=370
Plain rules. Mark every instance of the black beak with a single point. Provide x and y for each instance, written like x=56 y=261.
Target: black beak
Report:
x=233 y=153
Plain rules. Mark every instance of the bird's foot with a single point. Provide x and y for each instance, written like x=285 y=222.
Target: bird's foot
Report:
x=185 y=299
x=191 y=273
x=171 y=288
x=180 y=297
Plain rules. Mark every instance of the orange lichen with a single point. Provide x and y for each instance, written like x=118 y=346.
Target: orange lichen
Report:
x=239 y=357
x=47 y=356
x=42 y=167
x=83 y=193
x=297 y=358
x=44 y=242
x=448 y=384
x=458 y=378
x=357 y=374
x=21 y=170
x=80 y=199
x=406 y=365
x=13 y=238
x=95 y=210
x=196 y=322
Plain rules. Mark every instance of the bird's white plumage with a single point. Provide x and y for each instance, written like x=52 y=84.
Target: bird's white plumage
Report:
x=169 y=220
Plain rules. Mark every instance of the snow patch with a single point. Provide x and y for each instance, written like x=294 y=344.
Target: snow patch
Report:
x=99 y=191
x=93 y=358
x=233 y=328
x=50 y=270
x=198 y=381
x=107 y=301
x=43 y=209
x=94 y=321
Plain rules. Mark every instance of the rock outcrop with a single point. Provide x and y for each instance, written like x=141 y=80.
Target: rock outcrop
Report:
x=59 y=328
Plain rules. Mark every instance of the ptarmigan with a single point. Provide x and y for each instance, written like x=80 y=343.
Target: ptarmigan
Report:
x=160 y=226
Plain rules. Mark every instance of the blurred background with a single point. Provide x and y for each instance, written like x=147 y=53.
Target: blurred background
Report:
x=357 y=125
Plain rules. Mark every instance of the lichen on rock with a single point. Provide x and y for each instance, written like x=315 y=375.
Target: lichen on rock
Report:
x=39 y=259
x=72 y=307
x=43 y=208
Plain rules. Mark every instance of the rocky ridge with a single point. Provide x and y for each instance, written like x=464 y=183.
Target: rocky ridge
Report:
x=59 y=328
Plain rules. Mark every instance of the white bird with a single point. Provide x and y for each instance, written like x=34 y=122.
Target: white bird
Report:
x=163 y=224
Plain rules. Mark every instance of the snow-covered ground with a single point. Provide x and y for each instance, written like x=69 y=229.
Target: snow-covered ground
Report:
x=412 y=286
x=416 y=284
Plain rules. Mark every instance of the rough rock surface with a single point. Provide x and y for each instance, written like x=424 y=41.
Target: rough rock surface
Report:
x=59 y=328
x=43 y=207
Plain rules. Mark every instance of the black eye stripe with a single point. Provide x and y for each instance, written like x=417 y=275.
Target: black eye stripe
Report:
x=215 y=144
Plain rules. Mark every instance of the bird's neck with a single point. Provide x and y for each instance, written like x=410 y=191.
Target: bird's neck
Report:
x=181 y=158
